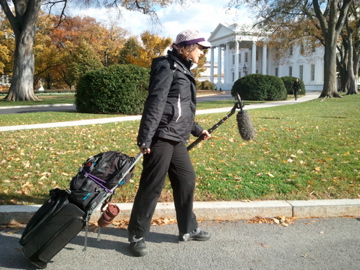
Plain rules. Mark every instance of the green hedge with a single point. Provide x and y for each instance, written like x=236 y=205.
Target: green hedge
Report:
x=114 y=89
x=205 y=85
x=260 y=87
x=289 y=81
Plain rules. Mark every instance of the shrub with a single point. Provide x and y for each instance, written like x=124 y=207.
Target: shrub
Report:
x=205 y=85
x=289 y=81
x=114 y=89
x=260 y=87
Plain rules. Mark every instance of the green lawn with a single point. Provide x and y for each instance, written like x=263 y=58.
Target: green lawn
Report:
x=309 y=150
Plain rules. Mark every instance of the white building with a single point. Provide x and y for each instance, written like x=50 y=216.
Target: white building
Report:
x=236 y=53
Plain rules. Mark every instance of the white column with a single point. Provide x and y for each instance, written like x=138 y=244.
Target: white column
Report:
x=227 y=61
x=244 y=63
x=253 y=58
x=236 y=70
x=219 y=64
x=212 y=64
x=264 y=60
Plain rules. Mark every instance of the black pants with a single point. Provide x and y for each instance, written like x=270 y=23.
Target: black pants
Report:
x=166 y=157
x=296 y=93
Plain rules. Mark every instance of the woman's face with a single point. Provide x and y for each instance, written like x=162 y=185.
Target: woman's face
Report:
x=196 y=54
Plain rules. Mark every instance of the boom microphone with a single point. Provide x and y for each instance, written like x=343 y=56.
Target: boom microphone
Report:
x=243 y=119
x=244 y=122
x=245 y=125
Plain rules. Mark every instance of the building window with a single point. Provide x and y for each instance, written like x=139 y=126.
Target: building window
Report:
x=239 y=58
x=302 y=49
x=301 y=72
x=291 y=50
x=233 y=59
x=290 y=71
x=277 y=72
x=246 y=57
x=312 y=72
x=233 y=76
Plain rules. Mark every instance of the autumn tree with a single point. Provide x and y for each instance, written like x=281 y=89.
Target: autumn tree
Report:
x=45 y=52
x=83 y=60
x=82 y=44
x=6 y=46
x=112 y=44
x=153 y=46
x=129 y=51
x=330 y=16
x=23 y=18
x=200 y=65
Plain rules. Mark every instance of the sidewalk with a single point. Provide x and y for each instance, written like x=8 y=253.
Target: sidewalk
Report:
x=14 y=214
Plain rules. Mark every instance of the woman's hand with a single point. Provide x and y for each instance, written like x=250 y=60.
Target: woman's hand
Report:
x=205 y=134
x=145 y=150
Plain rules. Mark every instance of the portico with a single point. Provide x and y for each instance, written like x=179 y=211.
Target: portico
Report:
x=237 y=52
x=237 y=56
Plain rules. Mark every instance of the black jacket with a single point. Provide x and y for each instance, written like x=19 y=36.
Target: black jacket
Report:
x=296 y=86
x=169 y=109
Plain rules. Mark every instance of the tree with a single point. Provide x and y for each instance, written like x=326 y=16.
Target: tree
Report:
x=330 y=15
x=153 y=46
x=129 y=51
x=200 y=65
x=350 y=50
x=23 y=22
x=46 y=54
x=6 y=46
x=332 y=21
x=83 y=60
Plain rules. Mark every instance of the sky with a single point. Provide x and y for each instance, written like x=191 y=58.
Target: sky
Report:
x=203 y=15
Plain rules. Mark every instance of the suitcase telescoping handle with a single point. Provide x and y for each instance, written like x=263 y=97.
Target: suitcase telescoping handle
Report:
x=137 y=158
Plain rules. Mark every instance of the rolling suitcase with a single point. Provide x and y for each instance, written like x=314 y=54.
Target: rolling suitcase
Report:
x=68 y=211
x=53 y=226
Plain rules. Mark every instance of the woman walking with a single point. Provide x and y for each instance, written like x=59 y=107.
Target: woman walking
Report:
x=296 y=87
x=165 y=128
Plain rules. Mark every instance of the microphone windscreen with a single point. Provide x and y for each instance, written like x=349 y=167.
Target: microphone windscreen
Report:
x=245 y=125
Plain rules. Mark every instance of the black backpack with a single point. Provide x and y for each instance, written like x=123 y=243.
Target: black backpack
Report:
x=98 y=178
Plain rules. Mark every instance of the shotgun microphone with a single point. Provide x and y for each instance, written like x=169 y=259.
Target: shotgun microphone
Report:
x=245 y=125
x=244 y=122
x=243 y=119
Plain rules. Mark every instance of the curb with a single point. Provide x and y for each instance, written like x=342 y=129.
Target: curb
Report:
x=228 y=210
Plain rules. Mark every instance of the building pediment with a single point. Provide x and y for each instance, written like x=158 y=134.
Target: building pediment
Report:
x=221 y=34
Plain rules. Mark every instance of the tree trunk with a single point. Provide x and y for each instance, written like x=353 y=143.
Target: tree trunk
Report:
x=351 y=77
x=331 y=22
x=23 y=23
x=330 y=84
x=22 y=87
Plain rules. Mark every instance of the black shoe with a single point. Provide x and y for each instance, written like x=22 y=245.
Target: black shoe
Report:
x=138 y=247
x=196 y=234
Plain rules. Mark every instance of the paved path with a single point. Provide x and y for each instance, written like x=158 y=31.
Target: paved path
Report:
x=305 y=244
